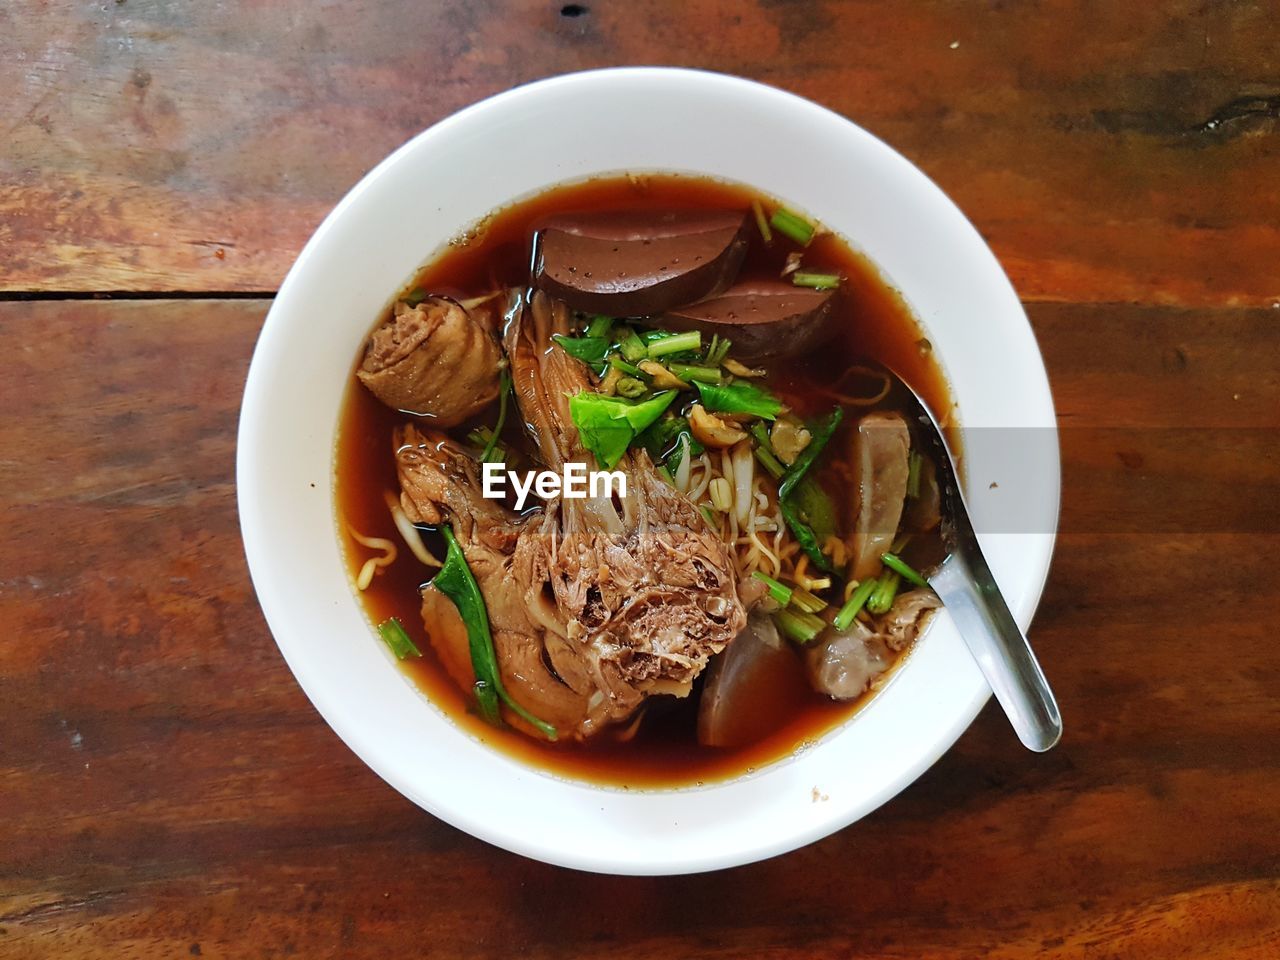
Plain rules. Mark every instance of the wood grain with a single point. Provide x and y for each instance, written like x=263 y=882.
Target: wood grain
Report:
x=1110 y=152
x=167 y=791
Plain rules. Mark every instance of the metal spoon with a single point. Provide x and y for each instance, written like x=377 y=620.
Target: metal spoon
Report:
x=968 y=590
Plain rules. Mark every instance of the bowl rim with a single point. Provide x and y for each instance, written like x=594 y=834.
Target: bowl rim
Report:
x=251 y=480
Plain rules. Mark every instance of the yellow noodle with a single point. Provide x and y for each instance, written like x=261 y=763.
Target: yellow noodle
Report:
x=373 y=564
x=869 y=373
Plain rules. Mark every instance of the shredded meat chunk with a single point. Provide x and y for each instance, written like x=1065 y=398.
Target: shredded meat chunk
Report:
x=595 y=603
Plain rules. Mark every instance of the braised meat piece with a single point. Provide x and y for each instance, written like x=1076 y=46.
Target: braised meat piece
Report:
x=595 y=603
x=436 y=360
x=881 y=464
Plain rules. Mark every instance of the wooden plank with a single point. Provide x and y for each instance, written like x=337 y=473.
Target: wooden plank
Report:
x=166 y=790
x=1115 y=152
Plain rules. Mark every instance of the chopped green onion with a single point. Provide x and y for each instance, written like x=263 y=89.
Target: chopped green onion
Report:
x=483 y=437
x=856 y=602
x=914 y=462
x=792 y=225
x=770 y=462
x=806 y=601
x=618 y=363
x=741 y=396
x=665 y=474
x=758 y=209
x=688 y=371
x=586 y=349
x=630 y=387
x=414 y=296
x=799 y=626
x=896 y=563
x=456 y=582
x=881 y=598
x=706 y=514
x=718 y=350
x=599 y=326
x=675 y=343
x=394 y=636
x=818 y=281
x=504 y=388
x=632 y=347
x=761 y=433
x=779 y=591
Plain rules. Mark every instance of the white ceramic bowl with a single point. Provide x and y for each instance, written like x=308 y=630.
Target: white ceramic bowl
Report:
x=508 y=147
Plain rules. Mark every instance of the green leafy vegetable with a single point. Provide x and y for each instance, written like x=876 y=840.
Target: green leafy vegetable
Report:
x=607 y=425
x=900 y=566
x=791 y=506
x=718 y=350
x=456 y=582
x=799 y=626
x=504 y=388
x=761 y=433
x=818 y=281
x=587 y=349
x=394 y=636
x=820 y=434
x=689 y=372
x=618 y=363
x=630 y=387
x=770 y=463
x=482 y=437
x=632 y=348
x=881 y=598
x=662 y=440
x=764 y=451
x=815 y=507
x=741 y=396
x=414 y=296
x=792 y=225
x=914 y=463
x=804 y=535
x=665 y=346
x=806 y=601
x=599 y=326
x=779 y=591
x=856 y=602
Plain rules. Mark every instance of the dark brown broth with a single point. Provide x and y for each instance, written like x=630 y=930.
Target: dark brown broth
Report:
x=873 y=322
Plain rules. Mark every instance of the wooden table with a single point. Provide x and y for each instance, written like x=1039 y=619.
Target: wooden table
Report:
x=167 y=791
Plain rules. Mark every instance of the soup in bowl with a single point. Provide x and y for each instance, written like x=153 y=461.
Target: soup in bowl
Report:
x=577 y=494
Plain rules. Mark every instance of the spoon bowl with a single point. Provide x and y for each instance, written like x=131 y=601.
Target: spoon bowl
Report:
x=967 y=588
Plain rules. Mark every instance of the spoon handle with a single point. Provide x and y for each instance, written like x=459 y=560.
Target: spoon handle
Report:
x=969 y=592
